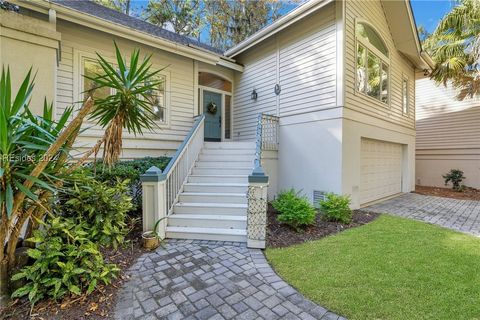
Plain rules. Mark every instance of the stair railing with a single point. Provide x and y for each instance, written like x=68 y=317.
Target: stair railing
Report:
x=266 y=139
x=161 y=189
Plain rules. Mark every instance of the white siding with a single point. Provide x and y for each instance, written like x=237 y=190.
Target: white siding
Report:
x=302 y=60
x=448 y=134
x=372 y=12
x=78 y=40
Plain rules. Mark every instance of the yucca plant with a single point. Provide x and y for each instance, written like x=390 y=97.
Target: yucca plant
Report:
x=34 y=149
x=455 y=48
x=129 y=107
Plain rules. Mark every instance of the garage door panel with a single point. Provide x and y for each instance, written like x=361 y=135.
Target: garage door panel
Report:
x=380 y=169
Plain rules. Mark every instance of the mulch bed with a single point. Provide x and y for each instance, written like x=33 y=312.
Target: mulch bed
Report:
x=280 y=235
x=467 y=194
x=98 y=305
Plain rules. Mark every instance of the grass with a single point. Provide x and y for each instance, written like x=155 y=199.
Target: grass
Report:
x=391 y=268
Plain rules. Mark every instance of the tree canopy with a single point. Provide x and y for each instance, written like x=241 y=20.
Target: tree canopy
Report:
x=455 y=48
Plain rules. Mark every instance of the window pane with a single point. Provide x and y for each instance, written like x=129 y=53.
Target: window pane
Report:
x=158 y=100
x=228 y=116
x=384 y=93
x=405 y=95
x=373 y=70
x=370 y=35
x=92 y=69
x=361 y=70
x=213 y=81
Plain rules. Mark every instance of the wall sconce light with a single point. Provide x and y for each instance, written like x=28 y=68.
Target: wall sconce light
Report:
x=254 y=95
x=426 y=72
x=277 y=89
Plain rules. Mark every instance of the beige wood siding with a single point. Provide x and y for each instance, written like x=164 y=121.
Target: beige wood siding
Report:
x=77 y=41
x=443 y=122
x=448 y=134
x=301 y=59
x=372 y=13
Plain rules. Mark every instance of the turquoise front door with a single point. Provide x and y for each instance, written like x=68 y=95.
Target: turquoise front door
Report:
x=212 y=108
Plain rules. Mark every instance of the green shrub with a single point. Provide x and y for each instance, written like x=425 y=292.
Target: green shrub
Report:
x=295 y=210
x=131 y=170
x=102 y=207
x=65 y=261
x=456 y=177
x=336 y=208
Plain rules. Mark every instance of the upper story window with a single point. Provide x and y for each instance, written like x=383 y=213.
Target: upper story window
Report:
x=405 y=96
x=372 y=63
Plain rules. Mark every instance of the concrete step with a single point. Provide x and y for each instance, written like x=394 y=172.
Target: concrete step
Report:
x=203 y=197
x=222 y=171
x=233 y=209
x=217 y=234
x=226 y=157
x=207 y=221
x=230 y=145
x=250 y=152
x=224 y=164
x=215 y=178
x=216 y=187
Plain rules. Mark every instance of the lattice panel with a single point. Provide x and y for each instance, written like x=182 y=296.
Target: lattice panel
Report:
x=257 y=214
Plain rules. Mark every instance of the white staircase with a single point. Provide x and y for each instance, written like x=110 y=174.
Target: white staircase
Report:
x=213 y=202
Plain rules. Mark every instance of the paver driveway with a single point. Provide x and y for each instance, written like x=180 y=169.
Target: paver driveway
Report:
x=460 y=215
x=210 y=280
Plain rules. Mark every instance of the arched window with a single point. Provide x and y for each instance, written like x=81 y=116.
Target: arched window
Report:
x=213 y=81
x=372 y=63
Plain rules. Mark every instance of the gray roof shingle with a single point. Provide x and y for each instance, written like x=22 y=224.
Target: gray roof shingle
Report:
x=104 y=13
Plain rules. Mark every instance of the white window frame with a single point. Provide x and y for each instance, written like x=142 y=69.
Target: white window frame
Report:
x=406 y=108
x=78 y=80
x=166 y=74
x=382 y=57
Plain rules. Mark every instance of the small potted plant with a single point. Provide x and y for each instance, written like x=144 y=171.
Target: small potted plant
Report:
x=151 y=239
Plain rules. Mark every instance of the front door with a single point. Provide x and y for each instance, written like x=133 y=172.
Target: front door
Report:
x=212 y=108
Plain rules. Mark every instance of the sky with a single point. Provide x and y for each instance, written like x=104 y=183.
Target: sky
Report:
x=428 y=12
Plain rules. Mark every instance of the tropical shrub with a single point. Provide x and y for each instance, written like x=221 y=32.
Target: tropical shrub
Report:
x=336 y=208
x=131 y=170
x=34 y=150
x=65 y=261
x=455 y=176
x=294 y=210
x=102 y=208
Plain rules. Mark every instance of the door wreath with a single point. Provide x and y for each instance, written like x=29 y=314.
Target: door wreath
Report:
x=212 y=108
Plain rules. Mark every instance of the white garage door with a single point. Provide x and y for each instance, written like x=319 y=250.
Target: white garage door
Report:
x=381 y=170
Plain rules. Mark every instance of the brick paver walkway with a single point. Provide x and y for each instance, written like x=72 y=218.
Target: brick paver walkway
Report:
x=460 y=215
x=210 y=280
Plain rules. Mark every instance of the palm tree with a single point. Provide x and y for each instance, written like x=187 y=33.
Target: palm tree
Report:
x=455 y=48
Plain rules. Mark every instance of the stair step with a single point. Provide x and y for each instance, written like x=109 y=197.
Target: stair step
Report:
x=235 y=209
x=250 y=151
x=215 y=187
x=207 y=221
x=222 y=171
x=230 y=145
x=217 y=234
x=224 y=164
x=204 y=197
x=215 y=178
x=226 y=157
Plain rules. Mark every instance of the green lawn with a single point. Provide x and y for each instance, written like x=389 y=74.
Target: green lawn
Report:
x=392 y=268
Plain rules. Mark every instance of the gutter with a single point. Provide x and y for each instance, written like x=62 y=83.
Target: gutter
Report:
x=277 y=26
x=424 y=56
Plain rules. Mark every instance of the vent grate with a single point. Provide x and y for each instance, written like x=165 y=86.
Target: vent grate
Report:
x=317 y=197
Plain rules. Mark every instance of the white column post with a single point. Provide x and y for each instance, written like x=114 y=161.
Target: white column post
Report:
x=154 y=200
x=257 y=209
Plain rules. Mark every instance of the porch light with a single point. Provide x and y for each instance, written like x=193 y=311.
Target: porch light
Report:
x=254 y=95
